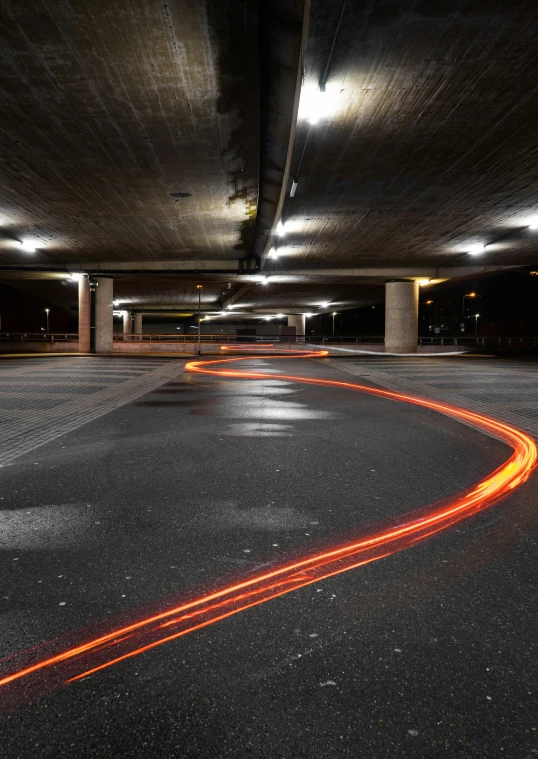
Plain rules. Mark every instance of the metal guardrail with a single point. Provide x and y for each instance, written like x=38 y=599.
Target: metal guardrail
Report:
x=463 y=341
x=41 y=337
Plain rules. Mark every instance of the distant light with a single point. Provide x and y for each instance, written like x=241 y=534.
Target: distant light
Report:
x=267 y=318
x=316 y=104
x=307 y=316
x=116 y=302
x=47 y=310
x=293 y=188
x=280 y=229
x=335 y=313
x=280 y=316
x=325 y=304
x=264 y=282
x=28 y=247
x=422 y=282
x=533 y=222
x=75 y=277
x=476 y=250
x=429 y=302
x=273 y=253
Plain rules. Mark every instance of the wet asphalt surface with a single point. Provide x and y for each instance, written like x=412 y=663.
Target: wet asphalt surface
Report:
x=430 y=652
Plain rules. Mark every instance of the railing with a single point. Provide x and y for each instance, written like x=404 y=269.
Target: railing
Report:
x=231 y=338
x=42 y=337
x=481 y=342
x=463 y=341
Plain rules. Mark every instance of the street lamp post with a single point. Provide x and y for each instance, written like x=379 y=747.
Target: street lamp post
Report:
x=468 y=295
x=199 y=288
x=47 y=316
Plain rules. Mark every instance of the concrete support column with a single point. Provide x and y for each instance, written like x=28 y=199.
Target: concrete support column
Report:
x=127 y=328
x=84 y=314
x=104 y=294
x=401 y=317
x=297 y=321
x=138 y=324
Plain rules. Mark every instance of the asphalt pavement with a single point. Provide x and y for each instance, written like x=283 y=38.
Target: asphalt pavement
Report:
x=204 y=481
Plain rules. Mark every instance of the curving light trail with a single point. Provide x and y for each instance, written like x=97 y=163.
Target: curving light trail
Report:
x=76 y=662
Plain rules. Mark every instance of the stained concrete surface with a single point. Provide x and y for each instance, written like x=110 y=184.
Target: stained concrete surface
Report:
x=429 y=652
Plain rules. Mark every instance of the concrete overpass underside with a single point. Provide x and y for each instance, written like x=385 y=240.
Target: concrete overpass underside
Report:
x=320 y=148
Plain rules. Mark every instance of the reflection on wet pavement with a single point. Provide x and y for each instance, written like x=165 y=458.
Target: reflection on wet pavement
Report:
x=255 y=429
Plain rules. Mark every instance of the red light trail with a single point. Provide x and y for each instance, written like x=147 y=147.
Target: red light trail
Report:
x=98 y=653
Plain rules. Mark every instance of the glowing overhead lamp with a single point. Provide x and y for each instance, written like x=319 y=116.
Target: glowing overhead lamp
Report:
x=293 y=188
x=318 y=102
x=476 y=250
x=75 y=277
x=267 y=318
x=307 y=316
x=280 y=229
x=264 y=281
x=533 y=222
x=422 y=282
x=280 y=316
x=273 y=253
x=325 y=304
x=28 y=247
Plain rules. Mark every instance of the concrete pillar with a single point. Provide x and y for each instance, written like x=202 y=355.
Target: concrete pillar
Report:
x=297 y=321
x=127 y=329
x=401 y=317
x=104 y=294
x=84 y=314
x=138 y=324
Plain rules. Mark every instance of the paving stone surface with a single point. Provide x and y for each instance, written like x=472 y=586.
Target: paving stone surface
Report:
x=41 y=399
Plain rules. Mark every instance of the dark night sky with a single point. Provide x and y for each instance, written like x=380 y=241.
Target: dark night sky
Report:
x=507 y=305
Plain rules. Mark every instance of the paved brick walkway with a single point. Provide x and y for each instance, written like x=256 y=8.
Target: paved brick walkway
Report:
x=43 y=398
x=508 y=390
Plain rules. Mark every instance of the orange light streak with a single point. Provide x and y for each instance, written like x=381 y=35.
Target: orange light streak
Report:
x=253 y=591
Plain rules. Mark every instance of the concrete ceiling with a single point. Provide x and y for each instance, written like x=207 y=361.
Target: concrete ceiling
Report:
x=129 y=130
x=159 y=141
x=430 y=142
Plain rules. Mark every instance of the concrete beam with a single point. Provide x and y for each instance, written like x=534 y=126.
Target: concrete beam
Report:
x=395 y=272
x=243 y=290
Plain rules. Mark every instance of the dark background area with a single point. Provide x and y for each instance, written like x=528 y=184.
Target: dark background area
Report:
x=507 y=305
x=22 y=312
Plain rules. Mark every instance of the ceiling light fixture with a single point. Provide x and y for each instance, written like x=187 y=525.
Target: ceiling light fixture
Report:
x=318 y=102
x=307 y=316
x=280 y=229
x=28 y=247
x=422 y=282
x=293 y=188
x=476 y=250
x=75 y=277
x=533 y=222
x=273 y=253
x=325 y=304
